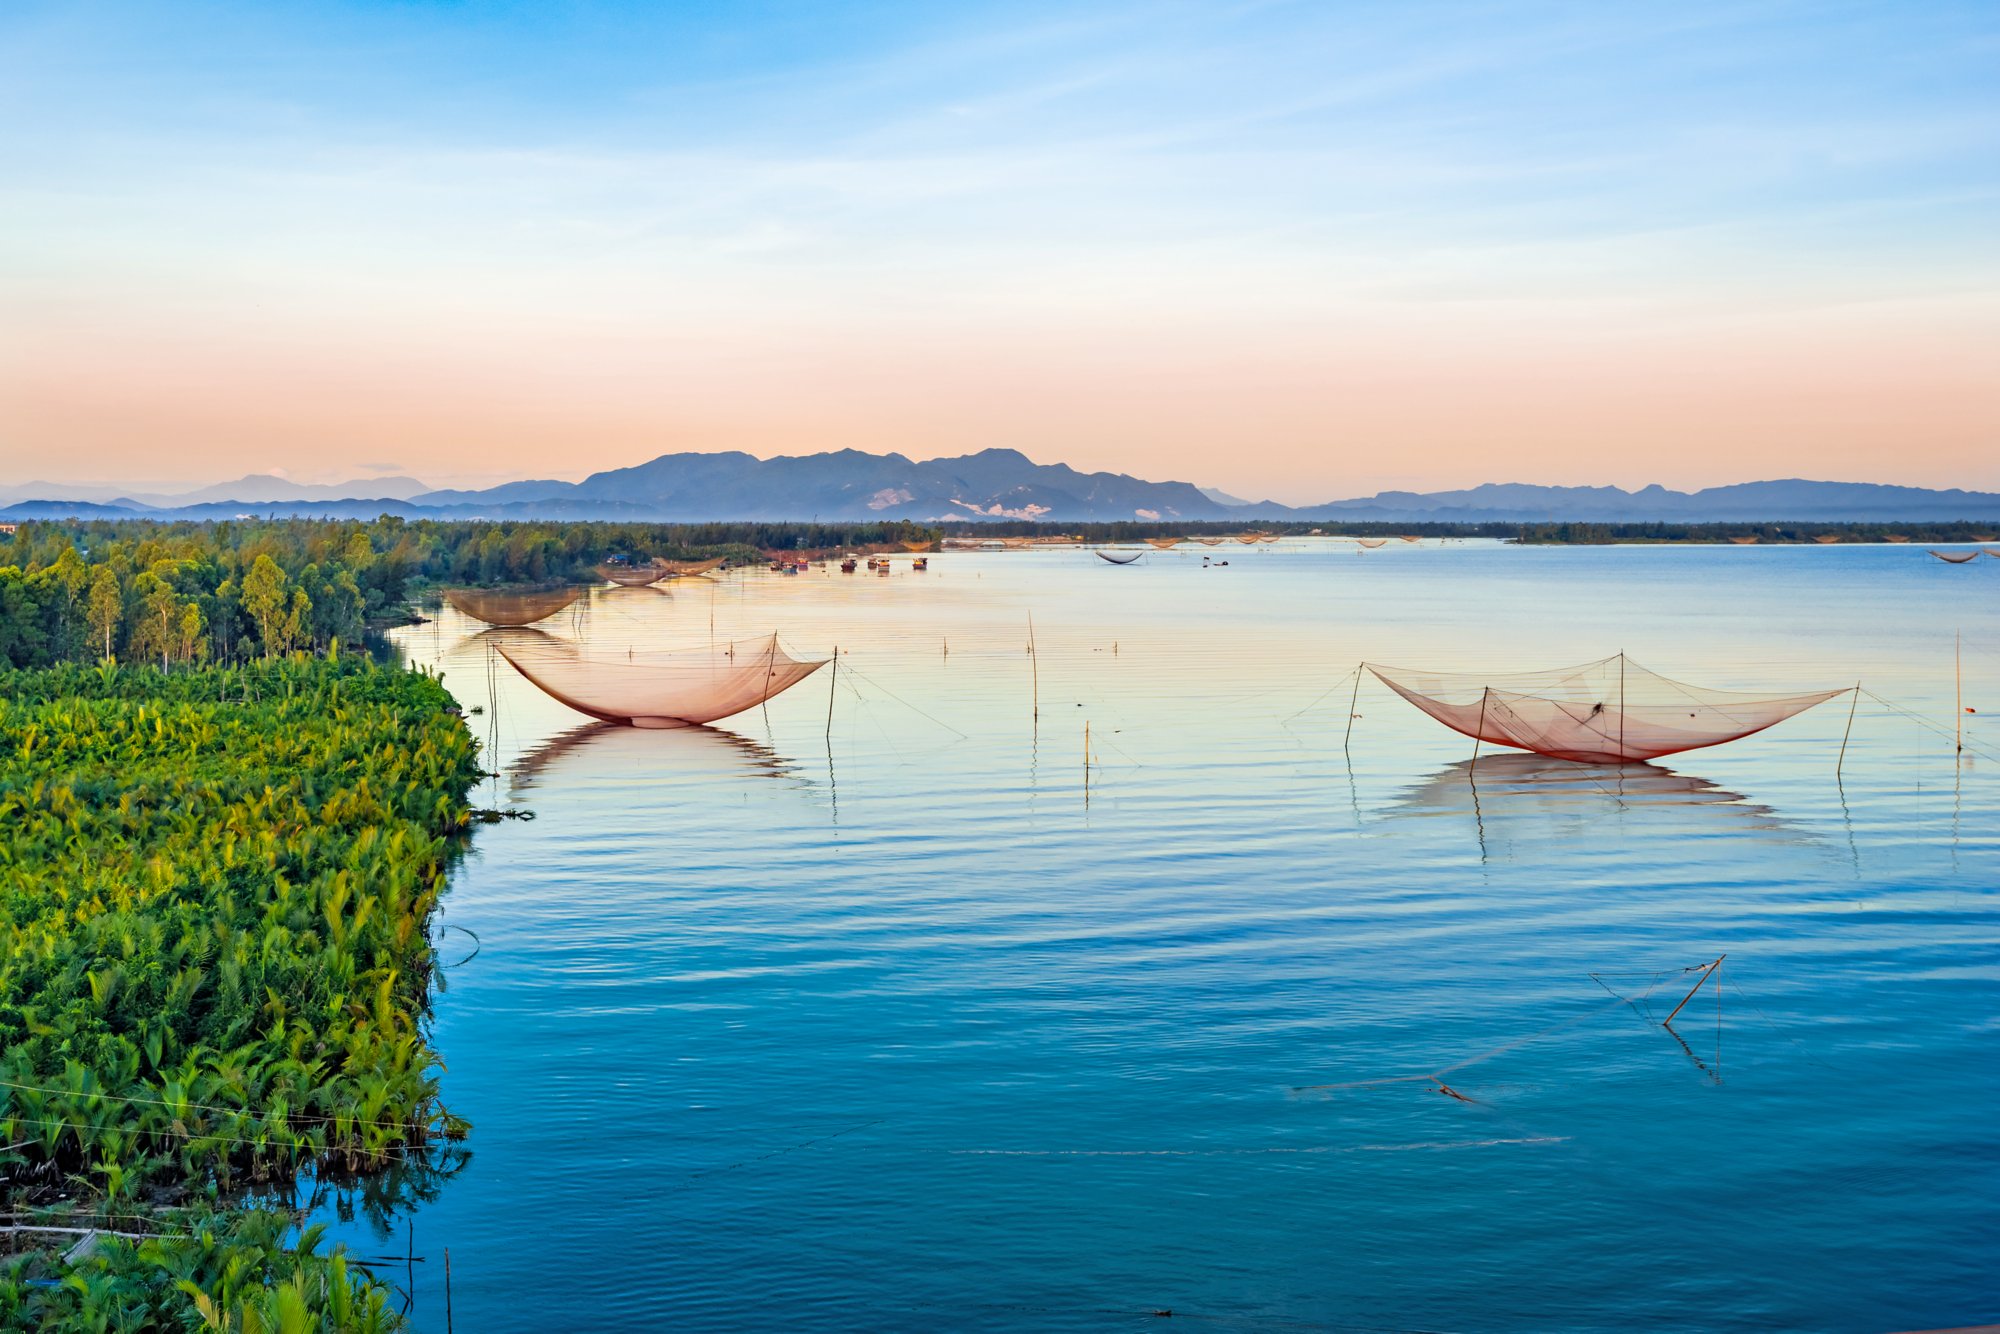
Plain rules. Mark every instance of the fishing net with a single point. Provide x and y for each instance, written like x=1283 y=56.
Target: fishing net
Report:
x=1612 y=710
x=1119 y=557
x=682 y=688
x=1827 y=539
x=1372 y=542
x=630 y=576
x=1211 y=541
x=683 y=568
x=1163 y=543
x=512 y=606
x=1894 y=537
x=1408 y=537
x=916 y=546
x=1956 y=557
x=1249 y=539
x=1743 y=541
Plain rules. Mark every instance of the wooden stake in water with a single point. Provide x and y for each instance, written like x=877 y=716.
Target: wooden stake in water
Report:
x=1853 y=702
x=1352 y=700
x=1958 y=682
x=1035 y=669
x=832 y=680
x=1707 y=972
x=1479 y=735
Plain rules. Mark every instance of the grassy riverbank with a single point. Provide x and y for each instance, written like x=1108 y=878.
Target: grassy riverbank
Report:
x=215 y=892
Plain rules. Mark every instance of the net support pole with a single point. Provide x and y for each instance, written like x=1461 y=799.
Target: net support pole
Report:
x=1958 y=691
x=832 y=681
x=770 y=664
x=1034 y=671
x=1853 y=702
x=1706 y=973
x=1479 y=735
x=1622 y=756
x=1352 y=700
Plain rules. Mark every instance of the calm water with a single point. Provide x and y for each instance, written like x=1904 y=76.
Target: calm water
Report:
x=883 y=1018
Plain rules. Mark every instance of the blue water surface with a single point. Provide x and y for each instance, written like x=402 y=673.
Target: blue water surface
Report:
x=882 y=1009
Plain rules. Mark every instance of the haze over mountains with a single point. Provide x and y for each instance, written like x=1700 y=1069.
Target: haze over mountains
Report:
x=993 y=484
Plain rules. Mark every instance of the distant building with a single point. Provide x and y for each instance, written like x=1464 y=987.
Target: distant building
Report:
x=9 y=529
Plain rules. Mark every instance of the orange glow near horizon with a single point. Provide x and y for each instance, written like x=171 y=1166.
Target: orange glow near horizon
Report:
x=1295 y=252
x=1285 y=414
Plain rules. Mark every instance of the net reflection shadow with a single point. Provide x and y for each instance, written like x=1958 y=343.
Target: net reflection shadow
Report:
x=637 y=759
x=1532 y=799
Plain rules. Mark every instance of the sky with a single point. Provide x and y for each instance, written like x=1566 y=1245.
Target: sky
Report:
x=1297 y=251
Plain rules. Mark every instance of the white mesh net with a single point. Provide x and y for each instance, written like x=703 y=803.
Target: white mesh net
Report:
x=685 y=568
x=1609 y=710
x=681 y=688
x=511 y=606
x=630 y=576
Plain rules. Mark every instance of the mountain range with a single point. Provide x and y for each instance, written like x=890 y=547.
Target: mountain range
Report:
x=992 y=484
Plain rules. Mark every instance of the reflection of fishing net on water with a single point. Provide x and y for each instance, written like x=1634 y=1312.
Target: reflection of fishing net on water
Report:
x=1163 y=543
x=1827 y=539
x=1119 y=557
x=1372 y=542
x=512 y=606
x=630 y=576
x=683 y=568
x=1609 y=710
x=1533 y=799
x=916 y=546
x=1955 y=557
x=675 y=689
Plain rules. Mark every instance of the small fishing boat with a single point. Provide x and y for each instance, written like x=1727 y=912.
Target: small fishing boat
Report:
x=847 y=566
x=921 y=563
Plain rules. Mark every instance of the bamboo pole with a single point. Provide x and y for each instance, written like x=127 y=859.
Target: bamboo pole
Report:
x=1853 y=702
x=832 y=681
x=1621 y=705
x=1352 y=700
x=1034 y=669
x=1480 y=734
x=1958 y=681
x=1706 y=973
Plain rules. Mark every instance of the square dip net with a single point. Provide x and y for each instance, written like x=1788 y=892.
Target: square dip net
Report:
x=682 y=688
x=1611 y=710
x=512 y=607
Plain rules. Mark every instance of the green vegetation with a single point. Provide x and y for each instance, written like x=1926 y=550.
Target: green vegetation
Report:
x=235 y=1272
x=215 y=893
x=184 y=593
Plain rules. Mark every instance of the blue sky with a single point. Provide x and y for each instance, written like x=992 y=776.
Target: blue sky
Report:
x=1297 y=249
